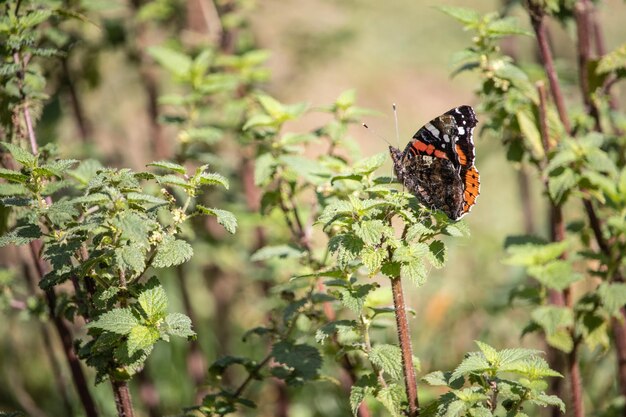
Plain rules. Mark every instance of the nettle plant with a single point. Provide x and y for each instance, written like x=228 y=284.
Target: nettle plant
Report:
x=96 y=234
x=334 y=298
x=577 y=289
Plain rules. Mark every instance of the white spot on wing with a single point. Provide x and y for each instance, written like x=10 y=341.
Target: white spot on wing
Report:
x=432 y=129
x=461 y=130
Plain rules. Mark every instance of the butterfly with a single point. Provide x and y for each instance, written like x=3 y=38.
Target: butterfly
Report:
x=437 y=165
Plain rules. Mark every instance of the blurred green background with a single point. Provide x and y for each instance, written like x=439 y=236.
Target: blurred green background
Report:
x=397 y=51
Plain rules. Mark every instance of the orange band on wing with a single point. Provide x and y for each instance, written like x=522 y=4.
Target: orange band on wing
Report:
x=472 y=188
x=428 y=149
x=462 y=156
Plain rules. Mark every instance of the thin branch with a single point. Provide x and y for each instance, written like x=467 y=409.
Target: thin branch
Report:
x=404 y=338
x=122 y=398
x=582 y=11
x=537 y=19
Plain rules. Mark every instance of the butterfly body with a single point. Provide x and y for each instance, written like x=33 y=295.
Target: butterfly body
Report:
x=437 y=165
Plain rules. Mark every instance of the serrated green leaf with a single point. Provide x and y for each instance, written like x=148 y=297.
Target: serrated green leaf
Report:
x=224 y=217
x=334 y=327
x=168 y=166
x=209 y=178
x=8 y=189
x=153 y=301
x=140 y=198
x=21 y=235
x=347 y=246
x=545 y=400
x=437 y=254
x=391 y=397
x=370 y=231
x=172 y=252
x=279 y=251
x=458 y=229
x=555 y=321
x=130 y=257
x=354 y=298
x=13 y=176
x=370 y=164
x=507 y=26
x=415 y=271
x=118 y=320
x=373 y=258
x=556 y=274
x=141 y=338
x=358 y=393
x=303 y=361
x=133 y=227
x=388 y=358
x=173 y=181
x=21 y=155
x=178 y=324
x=473 y=363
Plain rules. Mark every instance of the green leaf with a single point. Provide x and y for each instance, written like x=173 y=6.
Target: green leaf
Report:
x=271 y=106
x=370 y=231
x=21 y=235
x=178 y=324
x=172 y=252
x=175 y=62
x=555 y=321
x=560 y=183
x=13 y=176
x=545 y=400
x=613 y=61
x=130 y=257
x=613 y=296
x=140 y=198
x=209 y=178
x=473 y=363
x=224 y=217
x=21 y=155
x=347 y=246
x=174 y=181
x=118 y=320
x=557 y=274
x=391 y=397
x=373 y=258
x=415 y=271
x=335 y=327
x=354 y=298
x=507 y=26
x=279 y=251
x=153 y=301
x=264 y=168
x=169 y=166
x=133 y=227
x=437 y=253
x=141 y=338
x=370 y=164
x=535 y=253
x=303 y=361
x=258 y=120
x=363 y=388
x=388 y=358
x=463 y=15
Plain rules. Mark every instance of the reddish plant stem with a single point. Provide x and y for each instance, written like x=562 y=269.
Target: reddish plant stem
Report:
x=582 y=9
x=404 y=338
x=537 y=19
x=122 y=398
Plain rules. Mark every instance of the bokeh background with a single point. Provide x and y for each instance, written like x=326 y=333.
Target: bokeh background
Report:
x=396 y=51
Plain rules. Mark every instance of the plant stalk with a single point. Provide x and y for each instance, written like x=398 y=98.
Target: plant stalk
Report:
x=122 y=398
x=405 y=346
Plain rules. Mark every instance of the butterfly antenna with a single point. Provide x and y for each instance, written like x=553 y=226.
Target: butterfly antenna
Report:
x=376 y=134
x=395 y=117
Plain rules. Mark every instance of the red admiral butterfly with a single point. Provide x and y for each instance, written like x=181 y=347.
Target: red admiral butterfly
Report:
x=437 y=165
